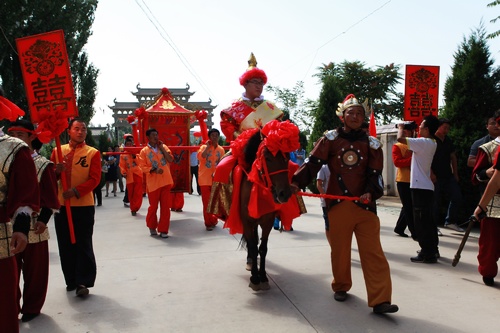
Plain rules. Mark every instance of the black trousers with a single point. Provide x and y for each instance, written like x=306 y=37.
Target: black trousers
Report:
x=425 y=226
x=98 y=191
x=406 y=215
x=77 y=260
x=194 y=172
x=98 y=195
x=125 y=197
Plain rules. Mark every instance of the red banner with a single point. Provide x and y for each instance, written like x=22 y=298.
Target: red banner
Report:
x=421 y=92
x=47 y=75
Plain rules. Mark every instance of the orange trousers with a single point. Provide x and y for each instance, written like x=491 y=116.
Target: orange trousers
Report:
x=347 y=219
x=159 y=197
x=135 y=191
x=210 y=219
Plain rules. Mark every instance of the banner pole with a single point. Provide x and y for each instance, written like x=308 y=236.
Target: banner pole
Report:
x=64 y=182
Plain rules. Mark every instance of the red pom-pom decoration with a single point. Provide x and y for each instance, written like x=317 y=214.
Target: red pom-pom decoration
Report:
x=140 y=112
x=254 y=73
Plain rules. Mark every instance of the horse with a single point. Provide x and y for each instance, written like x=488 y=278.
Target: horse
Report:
x=264 y=188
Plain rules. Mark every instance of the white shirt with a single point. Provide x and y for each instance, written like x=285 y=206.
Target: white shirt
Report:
x=324 y=175
x=423 y=152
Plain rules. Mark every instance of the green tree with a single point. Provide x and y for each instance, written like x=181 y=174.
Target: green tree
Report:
x=104 y=142
x=471 y=96
x=294 y=107
x=30 y=17
x=378 y=85
x=324 y=112
x=495 y=33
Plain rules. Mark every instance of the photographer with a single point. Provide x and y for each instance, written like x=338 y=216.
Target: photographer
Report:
x=422 y=188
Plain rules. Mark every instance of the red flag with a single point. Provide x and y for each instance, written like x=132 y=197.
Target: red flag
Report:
x=373 y=125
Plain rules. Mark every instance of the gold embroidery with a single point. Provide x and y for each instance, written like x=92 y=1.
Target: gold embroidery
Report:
x=5 y=236
x=34 y=238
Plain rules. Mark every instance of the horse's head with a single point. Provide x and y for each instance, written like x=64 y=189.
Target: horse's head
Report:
x=270 y=168
x=273 y=173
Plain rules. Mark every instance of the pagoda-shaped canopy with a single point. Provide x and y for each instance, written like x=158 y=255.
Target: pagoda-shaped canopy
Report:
x=148 y=96
x=172 y=121
x=164 y=102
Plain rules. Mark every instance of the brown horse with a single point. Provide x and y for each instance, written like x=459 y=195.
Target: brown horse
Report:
x=269 y=176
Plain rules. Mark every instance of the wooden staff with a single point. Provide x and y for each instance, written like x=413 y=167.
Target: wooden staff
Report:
x=471 y=221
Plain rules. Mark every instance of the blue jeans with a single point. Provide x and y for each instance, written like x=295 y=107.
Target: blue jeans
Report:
x=448 y=187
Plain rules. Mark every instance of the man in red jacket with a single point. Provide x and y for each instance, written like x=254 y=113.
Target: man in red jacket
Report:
x=34 y=260
x=19 y=199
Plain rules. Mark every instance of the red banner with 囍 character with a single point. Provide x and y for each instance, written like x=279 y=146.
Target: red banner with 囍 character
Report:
x=47 y=75
x=421 y=92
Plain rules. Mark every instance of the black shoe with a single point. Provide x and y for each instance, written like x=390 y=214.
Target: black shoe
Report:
x=82 y=291
x=385 y=308
x=70 y=288
x=438 y=255
x=489 y=281
x=28 y=317
x=423 y=260
x=340 y=296
x=402 y=234
x=134 y=213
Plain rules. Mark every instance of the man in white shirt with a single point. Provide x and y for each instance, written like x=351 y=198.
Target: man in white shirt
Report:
x=422 y=188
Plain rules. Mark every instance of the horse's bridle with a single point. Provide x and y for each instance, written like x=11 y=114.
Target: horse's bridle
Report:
x=265 y=175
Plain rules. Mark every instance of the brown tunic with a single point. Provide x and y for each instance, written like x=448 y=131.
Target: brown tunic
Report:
x=355 y=162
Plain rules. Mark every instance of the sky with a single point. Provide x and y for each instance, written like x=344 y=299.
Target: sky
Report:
x=206 y=44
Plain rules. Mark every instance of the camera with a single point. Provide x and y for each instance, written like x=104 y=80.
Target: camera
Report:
x=408 y=125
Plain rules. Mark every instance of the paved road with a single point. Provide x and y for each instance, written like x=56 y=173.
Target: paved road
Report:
x=195 y=281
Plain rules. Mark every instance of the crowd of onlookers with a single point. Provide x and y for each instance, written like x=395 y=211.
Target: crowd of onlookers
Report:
x=427 y=176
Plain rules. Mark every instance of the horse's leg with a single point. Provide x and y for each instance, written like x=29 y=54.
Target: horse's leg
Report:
x=250 y=233
x=252 y=254
x=266 y=225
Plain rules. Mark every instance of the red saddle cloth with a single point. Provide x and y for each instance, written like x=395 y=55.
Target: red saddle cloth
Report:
x=261 y=203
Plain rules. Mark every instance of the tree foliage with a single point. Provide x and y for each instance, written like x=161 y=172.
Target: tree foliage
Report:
x=20 y=18
x=495 y=33
x=378 y=85
x=295 y=108
x=339 y=80
x=324 y=111
x=471 y=95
